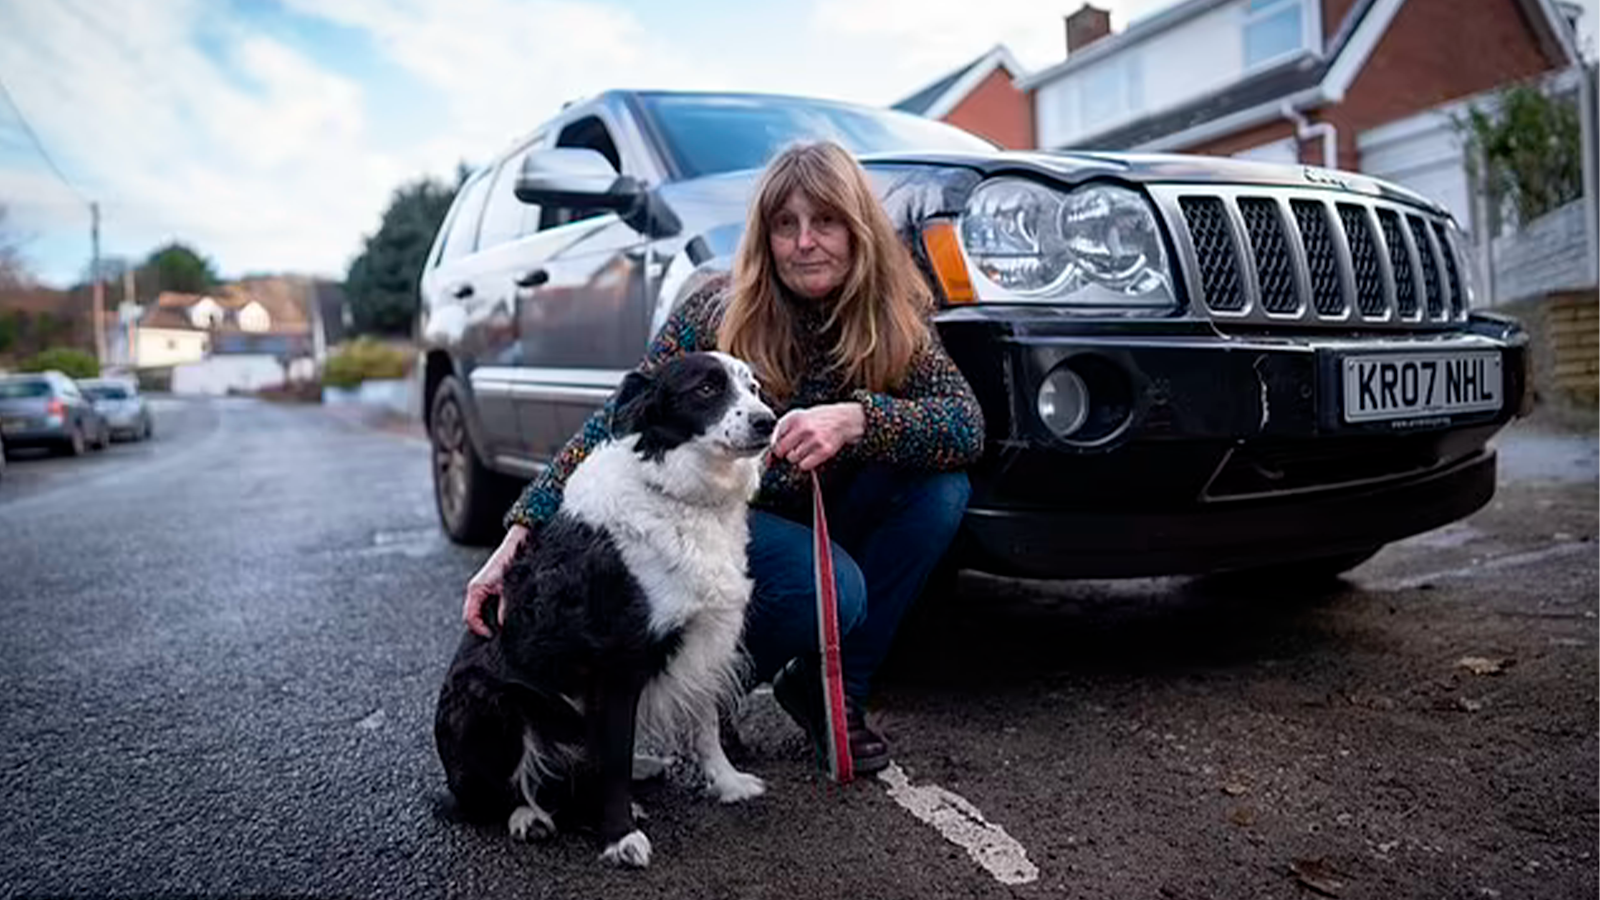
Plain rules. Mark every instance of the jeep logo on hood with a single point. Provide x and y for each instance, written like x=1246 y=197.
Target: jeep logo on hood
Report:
x=1328 y=177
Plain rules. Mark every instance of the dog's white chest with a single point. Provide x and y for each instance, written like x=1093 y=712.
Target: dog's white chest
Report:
x=688 y=567
x=688 y=558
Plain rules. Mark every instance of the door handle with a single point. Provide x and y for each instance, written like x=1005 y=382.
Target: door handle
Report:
x=462 y=291
x=533 y=278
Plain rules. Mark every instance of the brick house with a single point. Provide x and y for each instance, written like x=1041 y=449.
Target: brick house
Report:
x=1363 y=85
x=982 y=97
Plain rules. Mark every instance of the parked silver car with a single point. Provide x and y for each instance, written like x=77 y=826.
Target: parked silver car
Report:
x=46 y=408
x=122 y=406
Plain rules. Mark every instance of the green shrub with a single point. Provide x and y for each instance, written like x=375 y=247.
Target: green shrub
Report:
x=72 y=363
x=362 y=359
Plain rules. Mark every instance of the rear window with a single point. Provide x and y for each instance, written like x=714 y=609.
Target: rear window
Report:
x=21 y=388
x=105 y=392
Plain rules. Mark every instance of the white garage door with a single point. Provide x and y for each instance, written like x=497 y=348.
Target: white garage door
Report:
x=1424 y=154
x=1285 y=152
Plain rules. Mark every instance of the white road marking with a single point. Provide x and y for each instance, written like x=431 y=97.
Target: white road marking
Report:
x=1500 y=562
x=962 y=824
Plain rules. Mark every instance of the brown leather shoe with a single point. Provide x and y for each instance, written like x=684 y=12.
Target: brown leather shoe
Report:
x=798 y=689
x=869 y=752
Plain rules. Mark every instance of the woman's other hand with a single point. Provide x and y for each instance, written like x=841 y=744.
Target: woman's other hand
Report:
x=810 y=437
x=489 y=580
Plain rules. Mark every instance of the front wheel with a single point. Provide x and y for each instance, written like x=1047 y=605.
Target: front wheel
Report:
x=470 y=498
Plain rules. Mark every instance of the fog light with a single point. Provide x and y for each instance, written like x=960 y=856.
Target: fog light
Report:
x=1063 y=401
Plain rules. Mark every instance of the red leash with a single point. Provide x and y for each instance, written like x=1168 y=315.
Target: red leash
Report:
x=839 y=763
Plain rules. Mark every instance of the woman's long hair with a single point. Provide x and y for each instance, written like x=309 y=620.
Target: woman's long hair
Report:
x=878 y=313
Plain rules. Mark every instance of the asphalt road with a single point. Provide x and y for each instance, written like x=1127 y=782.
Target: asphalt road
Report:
x=219 y=653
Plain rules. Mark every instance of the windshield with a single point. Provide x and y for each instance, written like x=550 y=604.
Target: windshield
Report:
x=105 y=391
x=15 y=389
x=709 y=134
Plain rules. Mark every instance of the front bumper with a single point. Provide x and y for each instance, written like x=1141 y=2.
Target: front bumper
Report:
x=1222 y=452
x=1121 y=544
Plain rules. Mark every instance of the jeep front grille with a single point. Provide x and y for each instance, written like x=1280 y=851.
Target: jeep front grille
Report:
x=1312 y=257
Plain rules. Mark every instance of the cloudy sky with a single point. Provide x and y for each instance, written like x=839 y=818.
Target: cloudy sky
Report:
x=269 y=133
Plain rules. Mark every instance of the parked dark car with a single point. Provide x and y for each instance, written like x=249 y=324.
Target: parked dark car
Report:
x=1186 y=364
x=47 y=409
x=122 y=406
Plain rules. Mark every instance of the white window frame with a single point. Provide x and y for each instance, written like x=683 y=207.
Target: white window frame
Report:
x=1128 y=72
x=1310 y=30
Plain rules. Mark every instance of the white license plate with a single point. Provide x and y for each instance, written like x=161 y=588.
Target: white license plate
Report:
x=1412 y=385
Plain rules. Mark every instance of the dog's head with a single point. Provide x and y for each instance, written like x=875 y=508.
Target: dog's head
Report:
x=706 y=401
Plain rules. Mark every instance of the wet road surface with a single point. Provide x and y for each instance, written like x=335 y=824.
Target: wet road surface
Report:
x=220 y=651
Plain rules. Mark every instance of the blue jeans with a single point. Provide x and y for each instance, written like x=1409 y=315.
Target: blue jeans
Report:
x=889 y=526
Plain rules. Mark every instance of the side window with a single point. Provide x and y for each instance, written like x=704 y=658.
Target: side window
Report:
x=463 y=234
x=505 y=218
x=1272 y=29
x=587 y=132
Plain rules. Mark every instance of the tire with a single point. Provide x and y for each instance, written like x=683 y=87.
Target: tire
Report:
x=74 y=445
x=470 y=498
x=105 y=438
x=145 y=434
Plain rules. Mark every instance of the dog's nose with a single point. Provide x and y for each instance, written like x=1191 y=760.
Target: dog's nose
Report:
x=762 y=423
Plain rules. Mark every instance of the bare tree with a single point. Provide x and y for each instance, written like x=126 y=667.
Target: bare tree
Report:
x=13 y=273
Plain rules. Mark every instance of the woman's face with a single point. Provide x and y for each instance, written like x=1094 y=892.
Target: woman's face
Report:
x=811 y=247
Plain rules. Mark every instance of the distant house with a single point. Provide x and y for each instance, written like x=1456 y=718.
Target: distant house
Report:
x=1364 y=85
x=167 y=335
x=982 y=97
x=251 y=334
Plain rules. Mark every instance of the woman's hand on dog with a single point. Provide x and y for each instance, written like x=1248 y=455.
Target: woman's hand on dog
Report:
x=810 y=437
x=487 y=583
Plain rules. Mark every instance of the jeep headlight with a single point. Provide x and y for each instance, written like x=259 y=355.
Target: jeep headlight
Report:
x=1098 y=246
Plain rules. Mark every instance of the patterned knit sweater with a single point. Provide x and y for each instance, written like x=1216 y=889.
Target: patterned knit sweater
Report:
x=931 y=421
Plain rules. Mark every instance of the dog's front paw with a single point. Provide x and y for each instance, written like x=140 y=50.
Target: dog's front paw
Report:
x=632 y=850
x=530 y=823
x=736 y=786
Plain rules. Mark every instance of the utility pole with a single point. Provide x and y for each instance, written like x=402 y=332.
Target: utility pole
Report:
x=130 y=303
x=99 y=291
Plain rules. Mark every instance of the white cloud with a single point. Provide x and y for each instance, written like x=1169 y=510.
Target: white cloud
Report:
x=260 y=162
x=506 y=66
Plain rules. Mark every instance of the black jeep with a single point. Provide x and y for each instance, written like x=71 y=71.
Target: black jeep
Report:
x=1186 y=364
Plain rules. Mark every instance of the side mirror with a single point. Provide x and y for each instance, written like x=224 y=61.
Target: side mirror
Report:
x=575 y=178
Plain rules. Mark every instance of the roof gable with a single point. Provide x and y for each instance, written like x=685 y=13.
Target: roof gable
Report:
x=938 y=99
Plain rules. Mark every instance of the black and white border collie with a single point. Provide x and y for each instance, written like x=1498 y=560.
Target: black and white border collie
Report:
x=624 y=612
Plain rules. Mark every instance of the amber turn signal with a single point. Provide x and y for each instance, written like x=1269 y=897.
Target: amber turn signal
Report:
x=944 y=252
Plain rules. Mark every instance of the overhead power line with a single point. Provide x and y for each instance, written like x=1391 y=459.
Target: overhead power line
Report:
x=38 y=145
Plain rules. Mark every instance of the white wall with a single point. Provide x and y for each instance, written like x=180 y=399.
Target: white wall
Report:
x=1549 y=254
x=168 y=346
x=1178 y=65
x=220 y=374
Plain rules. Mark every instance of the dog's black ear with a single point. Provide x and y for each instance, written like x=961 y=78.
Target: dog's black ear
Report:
x=631 y=412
